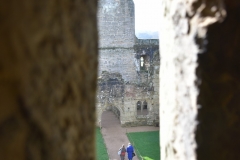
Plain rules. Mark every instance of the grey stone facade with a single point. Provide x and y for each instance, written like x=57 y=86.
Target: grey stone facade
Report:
x=128 y=72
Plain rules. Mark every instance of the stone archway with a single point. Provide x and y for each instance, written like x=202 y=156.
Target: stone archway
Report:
x=104 y=107
x=116 y=111
x=109 y=95
x=110 y=117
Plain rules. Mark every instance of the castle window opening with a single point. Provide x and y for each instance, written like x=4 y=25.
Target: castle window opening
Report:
x=144 y=105
x=139 y=108
x=145 y=108
x=139 y=105
x=142 y=61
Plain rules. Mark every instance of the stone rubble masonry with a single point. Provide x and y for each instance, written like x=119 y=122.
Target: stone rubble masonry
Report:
x=116 y=23
x=119 y=59
x=199 y=103
x=48 y=72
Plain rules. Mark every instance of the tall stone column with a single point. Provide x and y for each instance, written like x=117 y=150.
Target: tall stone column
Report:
x=48 y=71
x=182 y=37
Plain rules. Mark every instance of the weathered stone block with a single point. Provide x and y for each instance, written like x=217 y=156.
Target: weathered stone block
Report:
x=48 y=71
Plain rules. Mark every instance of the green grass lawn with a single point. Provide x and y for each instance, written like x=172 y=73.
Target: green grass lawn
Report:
x=146 y=144
x=100 y=146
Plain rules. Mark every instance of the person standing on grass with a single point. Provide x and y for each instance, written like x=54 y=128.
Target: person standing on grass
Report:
x=123 y=151
x=130 y=151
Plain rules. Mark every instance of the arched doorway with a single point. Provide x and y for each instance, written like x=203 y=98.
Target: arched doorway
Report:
x=110 y=118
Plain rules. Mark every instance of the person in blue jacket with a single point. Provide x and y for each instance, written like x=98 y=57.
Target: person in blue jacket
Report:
x=130 y=151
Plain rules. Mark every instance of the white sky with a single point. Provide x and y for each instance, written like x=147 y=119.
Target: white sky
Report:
x=146 y=13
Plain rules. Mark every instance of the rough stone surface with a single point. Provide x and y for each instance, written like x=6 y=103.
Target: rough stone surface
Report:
x=122 y=82
x=118 y=61
x=116 y=23
x=48 y=72
x=182 y=34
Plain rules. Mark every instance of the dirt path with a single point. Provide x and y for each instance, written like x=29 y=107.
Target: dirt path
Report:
x=114 y=135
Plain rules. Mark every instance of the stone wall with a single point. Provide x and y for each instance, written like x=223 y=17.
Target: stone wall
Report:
x=116 y=23
x=48 y=71
x=116 y=37
x=119 y=54
x=199 y=55
x=183 y=23
x=110 y=94
x=132 y=85
x=118 y=61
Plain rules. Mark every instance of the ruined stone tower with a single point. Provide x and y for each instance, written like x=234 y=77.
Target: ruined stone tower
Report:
x=128 y=67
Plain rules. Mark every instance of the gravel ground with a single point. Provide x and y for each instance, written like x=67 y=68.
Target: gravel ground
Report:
x=114 y=135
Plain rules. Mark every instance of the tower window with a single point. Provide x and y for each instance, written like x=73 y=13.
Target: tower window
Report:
x=142 y=61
